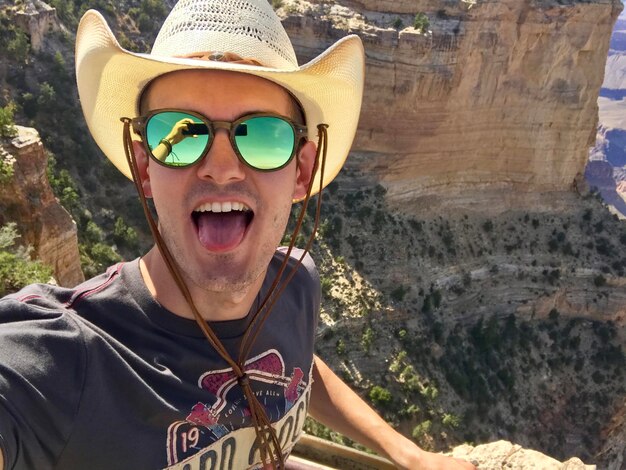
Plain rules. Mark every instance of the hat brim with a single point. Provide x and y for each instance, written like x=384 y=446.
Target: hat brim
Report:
x=111 y=79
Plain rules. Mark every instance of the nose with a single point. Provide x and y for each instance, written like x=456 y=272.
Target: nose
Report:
x=221 y=164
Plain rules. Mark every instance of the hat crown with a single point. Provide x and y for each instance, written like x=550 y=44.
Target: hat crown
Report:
x=248 y=28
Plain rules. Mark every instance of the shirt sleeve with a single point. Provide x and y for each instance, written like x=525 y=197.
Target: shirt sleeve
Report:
x=42 y=371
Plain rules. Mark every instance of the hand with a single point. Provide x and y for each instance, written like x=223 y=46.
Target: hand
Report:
x=176 y=134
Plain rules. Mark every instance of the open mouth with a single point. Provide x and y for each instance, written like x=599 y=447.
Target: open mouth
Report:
x=221 y=226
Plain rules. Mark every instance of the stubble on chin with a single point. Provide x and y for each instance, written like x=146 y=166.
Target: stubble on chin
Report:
x=224 y=273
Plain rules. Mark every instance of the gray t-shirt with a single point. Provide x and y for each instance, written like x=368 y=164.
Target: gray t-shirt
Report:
x=103 y=377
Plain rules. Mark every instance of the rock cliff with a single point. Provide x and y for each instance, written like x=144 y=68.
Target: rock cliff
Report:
x=492 y=106
x=28 y=200
x=37 y=19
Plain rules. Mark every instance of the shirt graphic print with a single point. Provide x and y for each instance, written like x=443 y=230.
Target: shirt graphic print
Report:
x=218 y=433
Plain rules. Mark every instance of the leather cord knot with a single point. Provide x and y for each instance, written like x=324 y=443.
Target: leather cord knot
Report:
x=243 y=380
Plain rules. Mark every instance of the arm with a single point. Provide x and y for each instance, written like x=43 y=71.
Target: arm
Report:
x=336 y=405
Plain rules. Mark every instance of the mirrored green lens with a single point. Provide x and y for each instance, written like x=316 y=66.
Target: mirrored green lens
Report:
x=265 y=142
x=186 y=133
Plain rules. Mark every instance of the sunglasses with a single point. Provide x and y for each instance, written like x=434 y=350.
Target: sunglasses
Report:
x=178 y=139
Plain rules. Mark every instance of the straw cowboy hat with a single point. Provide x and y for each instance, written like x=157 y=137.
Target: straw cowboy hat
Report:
x=112 y=79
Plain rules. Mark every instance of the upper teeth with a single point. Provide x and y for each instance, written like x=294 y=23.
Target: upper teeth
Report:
x=222 y=207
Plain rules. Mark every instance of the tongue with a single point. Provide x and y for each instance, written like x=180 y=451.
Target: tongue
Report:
x=221 y=231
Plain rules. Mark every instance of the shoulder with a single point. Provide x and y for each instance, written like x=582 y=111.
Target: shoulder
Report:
x=303 y=290
x=51 y=311
x=43 y=362
x=35 y=321
x=306 y=271
x=34 y=303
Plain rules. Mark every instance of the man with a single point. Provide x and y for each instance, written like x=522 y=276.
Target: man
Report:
x=199 y=354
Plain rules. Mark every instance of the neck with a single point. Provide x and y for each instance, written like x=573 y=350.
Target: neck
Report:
x=212 y=305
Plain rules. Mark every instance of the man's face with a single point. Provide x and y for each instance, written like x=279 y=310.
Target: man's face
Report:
x=228 y=250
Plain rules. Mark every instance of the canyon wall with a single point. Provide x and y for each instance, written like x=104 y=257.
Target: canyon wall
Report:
x=37 y=19
x=28 y=200
x=491 y=107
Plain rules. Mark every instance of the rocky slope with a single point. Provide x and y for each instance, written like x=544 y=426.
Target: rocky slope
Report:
x=480 y=328
x=27 y=199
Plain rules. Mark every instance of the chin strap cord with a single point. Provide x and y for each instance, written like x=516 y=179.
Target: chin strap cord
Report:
x=270 y=449
x=278 y=286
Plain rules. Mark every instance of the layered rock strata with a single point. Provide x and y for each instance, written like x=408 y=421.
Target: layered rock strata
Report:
x=27 y=200
x=492 y=107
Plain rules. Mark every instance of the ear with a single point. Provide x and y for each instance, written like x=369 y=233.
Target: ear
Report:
x=142 y=165
x=304 y=171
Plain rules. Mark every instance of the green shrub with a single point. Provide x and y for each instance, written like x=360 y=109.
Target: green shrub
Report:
x=421 y=429
x=151 y=12
x=19 y=46
x=47 y=95
x=65 y=11
x=599 y=280
x=398 y=293
x=421 y=22
x=451 y=420
x=29 y=105
x=411 y=410
x=92 y=233
x=6 y=171
x=380 y=396
x=94 y=259
x=7 y=124
x=326 y=284
x=124 y=235
x=16 y=268
x=554 y=314
x=367 y=339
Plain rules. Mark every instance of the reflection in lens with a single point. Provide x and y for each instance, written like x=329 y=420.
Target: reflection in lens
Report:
x=186 y=147
x=268 y=143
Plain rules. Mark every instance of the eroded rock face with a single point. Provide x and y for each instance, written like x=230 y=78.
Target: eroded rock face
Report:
x=37 y=19
x=494 y=108
x=28 y=201
x=504 y=455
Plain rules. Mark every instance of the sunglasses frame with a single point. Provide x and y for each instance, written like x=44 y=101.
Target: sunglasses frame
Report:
x=140 y=123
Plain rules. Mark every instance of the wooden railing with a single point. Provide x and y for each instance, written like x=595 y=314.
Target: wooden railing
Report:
x=314 y=453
